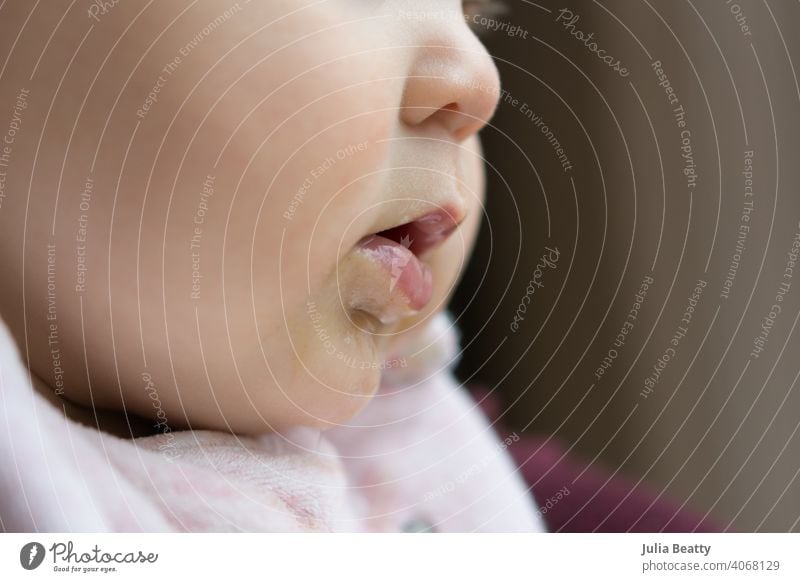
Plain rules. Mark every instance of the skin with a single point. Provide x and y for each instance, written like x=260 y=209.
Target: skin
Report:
x=259 y=103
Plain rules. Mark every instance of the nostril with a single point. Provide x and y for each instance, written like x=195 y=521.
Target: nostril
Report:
x=456 y=120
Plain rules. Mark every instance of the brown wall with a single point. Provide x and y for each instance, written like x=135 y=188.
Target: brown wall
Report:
x=718 y=429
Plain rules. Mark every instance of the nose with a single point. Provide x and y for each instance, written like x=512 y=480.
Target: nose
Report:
x=452 y=82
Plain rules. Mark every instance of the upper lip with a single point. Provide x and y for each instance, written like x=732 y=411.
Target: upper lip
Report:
x=430 y=225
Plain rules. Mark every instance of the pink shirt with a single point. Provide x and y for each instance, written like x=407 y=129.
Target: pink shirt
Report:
x=420 y=457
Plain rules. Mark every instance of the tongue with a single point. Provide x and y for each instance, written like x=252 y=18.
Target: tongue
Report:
x=409 y=282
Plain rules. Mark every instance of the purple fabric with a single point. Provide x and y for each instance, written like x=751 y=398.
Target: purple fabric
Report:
x=574 y=496
x=597 y=501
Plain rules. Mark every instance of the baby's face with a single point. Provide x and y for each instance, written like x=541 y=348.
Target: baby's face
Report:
x=281 y=188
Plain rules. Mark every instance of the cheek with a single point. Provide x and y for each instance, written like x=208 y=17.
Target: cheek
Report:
x=313 y=214
x=215 y=289
x=324 y=364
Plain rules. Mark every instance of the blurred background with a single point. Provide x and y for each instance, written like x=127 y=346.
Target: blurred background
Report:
x=633 y=293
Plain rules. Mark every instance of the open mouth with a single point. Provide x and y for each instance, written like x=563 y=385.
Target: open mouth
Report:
x=395 y=281
x=424 y=233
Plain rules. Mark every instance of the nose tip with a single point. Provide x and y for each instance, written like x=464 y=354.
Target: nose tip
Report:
x=455 y=86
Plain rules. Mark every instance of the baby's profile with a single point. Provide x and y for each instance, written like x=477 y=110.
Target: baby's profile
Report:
x=229 y=233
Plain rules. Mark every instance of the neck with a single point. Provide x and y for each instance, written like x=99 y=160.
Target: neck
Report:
x=118 y=423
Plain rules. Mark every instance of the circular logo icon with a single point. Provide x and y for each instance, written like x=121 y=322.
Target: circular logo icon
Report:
x=31 y=555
